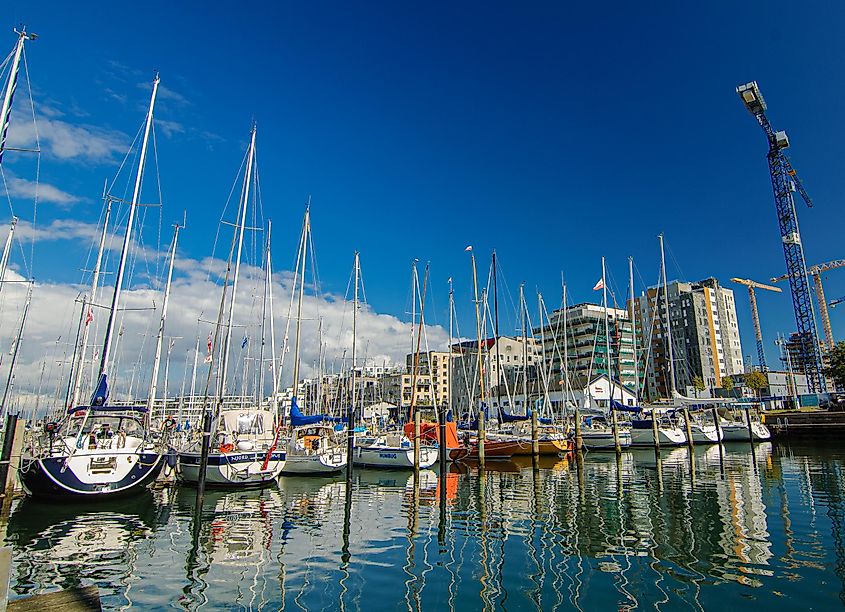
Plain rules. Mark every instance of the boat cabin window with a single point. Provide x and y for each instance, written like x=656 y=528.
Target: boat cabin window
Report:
x=250 y=424
x=107 y=425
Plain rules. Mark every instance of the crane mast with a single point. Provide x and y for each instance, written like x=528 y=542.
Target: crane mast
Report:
x=784 y=182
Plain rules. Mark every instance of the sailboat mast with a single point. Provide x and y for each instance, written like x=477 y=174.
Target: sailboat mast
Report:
x=224 y=365
x=95 y=283
x=10 y=381
x=272 y=324
x=633 y=315
x=524 y=308
x=542 y=370
x=7 y=249
x=9 y=93
x=608 y=360
x=354 y=327
x=306 y=227
x=105 y=361
x=260 y=391
x=160 y=336
x=668 y=328
x=451 y=335
x=477 y=328
x=498 y=367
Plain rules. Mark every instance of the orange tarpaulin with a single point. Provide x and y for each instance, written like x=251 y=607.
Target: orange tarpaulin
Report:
x=428 y=431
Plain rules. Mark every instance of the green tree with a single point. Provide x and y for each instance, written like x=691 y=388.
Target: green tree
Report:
x=698 y=384
x=728 y=383
x=756 y=381
x=836 y=364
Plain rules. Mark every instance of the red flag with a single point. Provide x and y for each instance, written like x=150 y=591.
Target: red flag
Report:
x=89 y=318
x=599 y=285
x=209 y=343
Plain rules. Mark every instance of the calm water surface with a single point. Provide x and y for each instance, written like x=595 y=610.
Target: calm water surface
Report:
x=720 y=529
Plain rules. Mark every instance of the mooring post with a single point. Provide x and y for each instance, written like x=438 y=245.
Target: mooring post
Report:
x=441 y=440
x=579 y=442
x=206 y=445
x=350 y=443
x=8 y=442
x=481 y=437
x=690 y=441
x=716 y=423
x=655 y=432
x=748 y=423
x=416 y=440
x=616 y=446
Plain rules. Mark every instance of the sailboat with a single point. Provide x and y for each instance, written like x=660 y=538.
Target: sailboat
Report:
x=313 y=447
x=383 y=450
x=656 y=429
x=699 y=432
x=245 y=448
x=98 y=451
x=600 y=436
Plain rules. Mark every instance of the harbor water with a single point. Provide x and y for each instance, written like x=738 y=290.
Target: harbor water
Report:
x=719 y=528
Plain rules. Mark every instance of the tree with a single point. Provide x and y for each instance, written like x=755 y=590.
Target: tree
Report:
x=756 y=381
x=836 y=365
x=728 y=383
x=698 y=384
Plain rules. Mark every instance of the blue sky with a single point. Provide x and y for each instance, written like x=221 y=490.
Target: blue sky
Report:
x=554 y=134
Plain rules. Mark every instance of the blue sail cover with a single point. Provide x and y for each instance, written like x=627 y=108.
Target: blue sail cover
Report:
x=297 y=419
x=623 y=408
x=101 y=395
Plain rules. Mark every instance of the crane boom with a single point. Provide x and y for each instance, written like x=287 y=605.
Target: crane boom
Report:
x=816 y=273
x=784 y=181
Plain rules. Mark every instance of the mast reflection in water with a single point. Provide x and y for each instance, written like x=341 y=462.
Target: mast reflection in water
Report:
x=718 y=528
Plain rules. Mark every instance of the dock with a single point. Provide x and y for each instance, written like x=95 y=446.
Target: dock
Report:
x=805 y=423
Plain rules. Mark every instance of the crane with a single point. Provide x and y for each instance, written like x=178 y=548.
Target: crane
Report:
x=784 y=182
x=816 y=273
x=758 y=334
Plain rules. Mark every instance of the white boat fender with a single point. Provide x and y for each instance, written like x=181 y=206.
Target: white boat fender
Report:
x=245 y=445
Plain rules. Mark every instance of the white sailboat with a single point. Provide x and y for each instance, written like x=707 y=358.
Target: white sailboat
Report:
x=245 y=448
x=98 y=451
x=312 y=447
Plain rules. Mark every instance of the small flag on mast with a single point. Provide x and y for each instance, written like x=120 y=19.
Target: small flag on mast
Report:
x=89 y=318
x=599 y=285
x=469 y=248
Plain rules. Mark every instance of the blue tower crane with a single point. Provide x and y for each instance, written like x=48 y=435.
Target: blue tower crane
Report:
x=784 y=182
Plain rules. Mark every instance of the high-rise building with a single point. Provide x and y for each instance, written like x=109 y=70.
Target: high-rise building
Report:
x=705 y=336
x=584 y=349
x=506 y=360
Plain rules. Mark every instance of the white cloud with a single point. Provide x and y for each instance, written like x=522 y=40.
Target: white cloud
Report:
x=166 y=93
x=23 y=188
x=169 y=128
x=54 y=317
x=66 y=141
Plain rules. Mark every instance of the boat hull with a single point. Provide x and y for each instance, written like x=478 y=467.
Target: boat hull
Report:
x=314 y=465
x=705 y=434
x=456 y=454
x=393 y=457
x=494 y=450
x=60 y=477
x=738 y=432
x=667 y=436
x=240 y=469
x=604 y=440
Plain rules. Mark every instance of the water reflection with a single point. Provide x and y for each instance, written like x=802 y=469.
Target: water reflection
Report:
x=713 y=527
